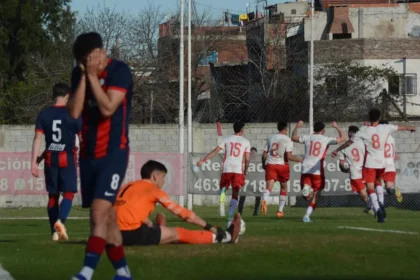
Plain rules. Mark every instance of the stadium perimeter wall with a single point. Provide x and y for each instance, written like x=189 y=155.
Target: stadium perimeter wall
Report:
x=165 y=139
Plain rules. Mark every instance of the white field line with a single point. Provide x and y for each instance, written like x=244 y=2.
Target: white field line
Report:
x=39 y=234
x=380 y=230
x=41 y=218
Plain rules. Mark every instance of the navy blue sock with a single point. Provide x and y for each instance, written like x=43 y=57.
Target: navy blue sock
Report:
x=65 y=206
x=94 y=249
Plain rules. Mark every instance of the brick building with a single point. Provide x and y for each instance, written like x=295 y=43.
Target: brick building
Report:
x=215 y=49
x=371 y=33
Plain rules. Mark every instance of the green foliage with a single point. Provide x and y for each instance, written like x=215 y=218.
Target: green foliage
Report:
x=34 y=35
x=346 y=90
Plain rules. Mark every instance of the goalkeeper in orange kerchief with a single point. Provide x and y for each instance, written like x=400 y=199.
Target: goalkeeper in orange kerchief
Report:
x=137 y=200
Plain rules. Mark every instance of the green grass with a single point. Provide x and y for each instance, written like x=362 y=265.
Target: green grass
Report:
x=270 y=249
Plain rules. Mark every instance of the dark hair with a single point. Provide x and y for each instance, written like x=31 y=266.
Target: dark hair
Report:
x=374 y=115
x=353 y=129
x=319 y=126
x=383 y=122
x=85 y=43
x=60 y=90
x=254 y=149
x=149 y=167
x=238 y=126
x=281 y=125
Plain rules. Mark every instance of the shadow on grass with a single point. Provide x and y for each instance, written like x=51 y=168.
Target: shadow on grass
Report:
x=7 y=241
x=75 y=242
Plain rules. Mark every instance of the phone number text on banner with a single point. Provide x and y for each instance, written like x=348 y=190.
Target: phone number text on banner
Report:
x=205 y=180
x=16 y=176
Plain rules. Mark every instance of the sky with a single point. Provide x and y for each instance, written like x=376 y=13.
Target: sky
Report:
x=132 y=6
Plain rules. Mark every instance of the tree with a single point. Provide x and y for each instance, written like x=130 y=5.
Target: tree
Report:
x=346 y=90
x=34 y=34
x=276 y=90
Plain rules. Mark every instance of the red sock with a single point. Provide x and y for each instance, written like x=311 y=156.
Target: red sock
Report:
x=194 y=236
x=313 y=205
x=116 y=255
x=94 y=249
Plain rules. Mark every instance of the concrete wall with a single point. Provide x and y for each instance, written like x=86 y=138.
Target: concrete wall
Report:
x=164 y=138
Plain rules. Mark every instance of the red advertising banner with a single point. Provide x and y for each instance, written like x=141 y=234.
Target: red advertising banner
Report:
x=16 y=176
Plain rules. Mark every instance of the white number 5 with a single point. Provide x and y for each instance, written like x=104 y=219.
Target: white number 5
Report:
x=115 y=182
x=56 y=131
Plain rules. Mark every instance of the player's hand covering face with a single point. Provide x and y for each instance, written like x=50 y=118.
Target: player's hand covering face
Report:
x=95 y=62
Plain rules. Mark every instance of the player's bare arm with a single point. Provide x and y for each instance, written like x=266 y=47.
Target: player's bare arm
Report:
x=264 y=159
x=184 y=213
x=341 y=135
x=406 y=128
x=36 y=145
x=109 y=101
x=294 y=158
x=76 y=103
x=342 y=147
x=247 y=161
x=295 y=137
x=209 y=156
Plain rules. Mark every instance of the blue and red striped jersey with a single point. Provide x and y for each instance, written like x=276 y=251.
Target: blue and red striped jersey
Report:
x=60 y=131
x=102 y=135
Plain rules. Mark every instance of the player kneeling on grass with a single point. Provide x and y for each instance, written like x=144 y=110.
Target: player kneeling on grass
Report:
x=354 y=156
x=137 y=200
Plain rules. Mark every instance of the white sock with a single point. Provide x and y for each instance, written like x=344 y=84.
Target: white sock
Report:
x=227 y=239
x=374 y=200
x=266 y=194
x=87 y=272
x=368 y=204
x=380 y=193
x=124 y=271
x=232 y=207
x=282 y=202
x=309 y=211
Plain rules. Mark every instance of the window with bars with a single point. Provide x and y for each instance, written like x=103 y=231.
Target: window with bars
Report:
x=403 y=84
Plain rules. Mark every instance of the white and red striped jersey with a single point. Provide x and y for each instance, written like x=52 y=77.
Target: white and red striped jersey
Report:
x=316 y=146
x=390 y=154
x=277 y=148
x=354 y=155
x=375 y=138
x=235 y=148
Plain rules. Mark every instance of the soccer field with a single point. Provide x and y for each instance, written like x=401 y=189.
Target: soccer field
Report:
x=270 y=248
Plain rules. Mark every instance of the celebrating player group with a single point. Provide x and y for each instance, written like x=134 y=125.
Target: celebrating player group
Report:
x=368 y=156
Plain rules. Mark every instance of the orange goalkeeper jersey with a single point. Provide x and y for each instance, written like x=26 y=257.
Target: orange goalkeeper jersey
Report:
x=137 y=200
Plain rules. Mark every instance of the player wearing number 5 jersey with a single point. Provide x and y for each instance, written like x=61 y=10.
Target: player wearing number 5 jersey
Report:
x=313 y=176
x=60 y=131
x=101 y=93
x=354 y=156
x=276 y=156
x=375 y=137
x=237 y=149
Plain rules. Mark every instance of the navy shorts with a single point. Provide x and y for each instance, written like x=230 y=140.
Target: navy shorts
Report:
x=101 y=178
x=61 y=179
